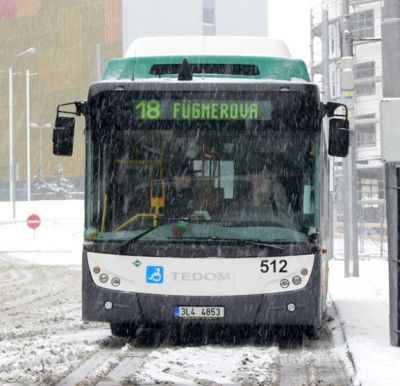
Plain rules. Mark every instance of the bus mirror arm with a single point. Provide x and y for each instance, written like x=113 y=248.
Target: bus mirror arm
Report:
x=330 y=108
x=63 y=132
x=80 y=109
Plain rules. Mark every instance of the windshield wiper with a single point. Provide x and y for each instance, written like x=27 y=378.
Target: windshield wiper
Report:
x=160 y=221
x=219 y=240
x=257 y=223
x=250 y=223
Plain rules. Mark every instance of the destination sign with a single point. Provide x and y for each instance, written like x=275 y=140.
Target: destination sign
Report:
x=213 y=110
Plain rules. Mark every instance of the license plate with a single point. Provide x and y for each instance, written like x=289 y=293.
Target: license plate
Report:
x=191 y=312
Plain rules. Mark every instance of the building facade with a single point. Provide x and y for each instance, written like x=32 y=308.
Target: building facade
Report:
x=194 y=17
x=365 y=23
x=65 y=35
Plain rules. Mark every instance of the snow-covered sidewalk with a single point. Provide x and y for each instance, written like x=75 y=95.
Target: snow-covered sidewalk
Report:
x=363 y=307
x=60 y=232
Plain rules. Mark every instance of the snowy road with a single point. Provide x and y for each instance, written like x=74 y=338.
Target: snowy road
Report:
x=43 y=341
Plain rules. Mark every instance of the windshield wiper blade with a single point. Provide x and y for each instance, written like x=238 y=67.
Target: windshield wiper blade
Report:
x=212 y=239
x=160 y=221
x=259 y=223
x=254 y=223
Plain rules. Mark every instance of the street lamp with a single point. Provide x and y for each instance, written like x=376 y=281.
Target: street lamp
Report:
x=34 y=125
x=29 y=51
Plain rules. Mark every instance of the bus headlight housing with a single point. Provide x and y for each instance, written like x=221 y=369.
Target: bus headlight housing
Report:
x=296 y=280
x=284 y=283
x=103 y=278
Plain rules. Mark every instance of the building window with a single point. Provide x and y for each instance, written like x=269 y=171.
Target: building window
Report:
x=365 y=88
x=333 y=83
x=209 y=29
x=366 y=134
x=332 y=34
x=362 y=24
x=366 y=116
x=364 y=70
x=209 y=17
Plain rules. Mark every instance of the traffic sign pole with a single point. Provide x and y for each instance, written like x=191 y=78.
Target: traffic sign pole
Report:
x=33 y=221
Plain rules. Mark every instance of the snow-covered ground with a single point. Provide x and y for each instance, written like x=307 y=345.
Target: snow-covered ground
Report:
x=42 y=338
x=363 y=307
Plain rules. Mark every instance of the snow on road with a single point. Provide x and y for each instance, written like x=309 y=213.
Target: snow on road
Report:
x=43 y=340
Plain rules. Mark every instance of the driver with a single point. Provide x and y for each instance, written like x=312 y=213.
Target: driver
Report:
x=180 y=199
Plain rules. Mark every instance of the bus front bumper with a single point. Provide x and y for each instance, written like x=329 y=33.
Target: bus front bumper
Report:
x=99 y=304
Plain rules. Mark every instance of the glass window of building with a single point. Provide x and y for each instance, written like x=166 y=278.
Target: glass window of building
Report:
x=364 y=70
x=365 y=88
x=366 y=134
x=362 y=24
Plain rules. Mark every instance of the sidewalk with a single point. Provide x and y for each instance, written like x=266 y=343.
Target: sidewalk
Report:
x=363 y=307
x=60 y=234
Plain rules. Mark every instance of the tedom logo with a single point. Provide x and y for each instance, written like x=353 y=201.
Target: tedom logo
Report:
x=154 y=274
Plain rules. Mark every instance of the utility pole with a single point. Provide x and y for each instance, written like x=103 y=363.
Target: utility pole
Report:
x=28 y=135
x=390 y=142
x=99 y=61
x=327 y=97
x=349 y=164
x=311 y=46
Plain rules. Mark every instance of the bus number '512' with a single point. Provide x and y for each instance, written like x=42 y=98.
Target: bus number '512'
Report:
x=273 y=266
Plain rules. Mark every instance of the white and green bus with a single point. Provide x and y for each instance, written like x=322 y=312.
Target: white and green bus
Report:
x=206 y=186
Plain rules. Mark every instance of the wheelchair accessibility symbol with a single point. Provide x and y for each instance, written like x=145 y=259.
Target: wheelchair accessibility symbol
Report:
x=154 y=274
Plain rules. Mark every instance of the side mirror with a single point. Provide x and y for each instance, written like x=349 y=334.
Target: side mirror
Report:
x=339 y=137
x=63 y=136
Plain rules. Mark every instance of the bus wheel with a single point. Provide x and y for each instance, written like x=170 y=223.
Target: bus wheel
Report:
x=311 y=332
x=123 y=330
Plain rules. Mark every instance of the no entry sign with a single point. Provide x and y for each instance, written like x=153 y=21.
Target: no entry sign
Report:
x=33 y=221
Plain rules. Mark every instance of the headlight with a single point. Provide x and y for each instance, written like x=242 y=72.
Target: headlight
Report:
x=103 y=278
x=296 y=280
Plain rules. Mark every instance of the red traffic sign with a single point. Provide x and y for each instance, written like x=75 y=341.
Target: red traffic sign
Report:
x=33 y=221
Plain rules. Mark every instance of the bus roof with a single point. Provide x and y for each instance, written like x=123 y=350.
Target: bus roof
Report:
x=207 y=46
x=228 y=57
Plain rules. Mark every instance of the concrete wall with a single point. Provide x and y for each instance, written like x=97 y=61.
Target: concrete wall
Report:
x=160 y=18
x=242 y=17
x=185 y=17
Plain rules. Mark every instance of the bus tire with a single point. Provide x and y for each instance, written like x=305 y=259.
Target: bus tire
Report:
x=311 y=332
x=123 y=330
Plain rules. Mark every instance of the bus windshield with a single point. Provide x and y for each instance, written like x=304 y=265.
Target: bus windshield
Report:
x=237 y=169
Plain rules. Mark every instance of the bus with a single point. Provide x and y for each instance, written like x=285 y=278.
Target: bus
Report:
x=206 y=186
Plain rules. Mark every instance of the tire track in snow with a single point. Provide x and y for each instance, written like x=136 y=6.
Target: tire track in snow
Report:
x=33 y=292
x=306 y=363
x=35 y=285
x=108 y=367
x=320 y=362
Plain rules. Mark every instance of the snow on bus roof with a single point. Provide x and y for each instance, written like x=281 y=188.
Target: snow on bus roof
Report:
x=208 y=45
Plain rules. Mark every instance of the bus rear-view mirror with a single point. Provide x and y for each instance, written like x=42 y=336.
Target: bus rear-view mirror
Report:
x=339 y=137
x=63 y=136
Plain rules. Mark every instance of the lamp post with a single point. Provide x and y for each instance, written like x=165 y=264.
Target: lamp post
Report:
x=11 y=127
x=28 y=135
x=40 y=128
